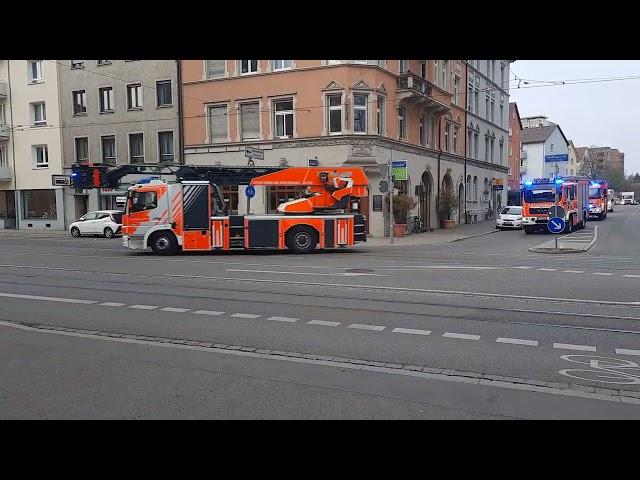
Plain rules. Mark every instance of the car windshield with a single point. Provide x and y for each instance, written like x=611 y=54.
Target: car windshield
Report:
x=595 y=192
x=539 y=195
x=511 y=211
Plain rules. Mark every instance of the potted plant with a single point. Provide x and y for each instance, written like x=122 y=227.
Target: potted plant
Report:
x=402 y=205
x=447 y=205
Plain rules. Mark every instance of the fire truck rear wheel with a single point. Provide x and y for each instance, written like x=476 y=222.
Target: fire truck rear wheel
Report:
x=163 y=243
x=302 y=239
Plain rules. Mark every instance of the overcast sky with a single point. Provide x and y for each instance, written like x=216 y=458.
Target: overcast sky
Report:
x=604 y=114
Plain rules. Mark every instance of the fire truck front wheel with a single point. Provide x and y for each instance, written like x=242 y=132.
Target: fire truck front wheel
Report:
x=163 y=243
x=302 y=239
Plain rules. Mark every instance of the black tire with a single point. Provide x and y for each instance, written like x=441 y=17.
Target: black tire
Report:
x=569 y=226
x=75 y=232
x=163 y=243
x=302 y=239
x=108 y=233
x=528 y=230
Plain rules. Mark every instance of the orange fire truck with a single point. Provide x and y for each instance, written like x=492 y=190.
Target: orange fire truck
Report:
x=599 y=199
x=539 y=196
x=190 y=213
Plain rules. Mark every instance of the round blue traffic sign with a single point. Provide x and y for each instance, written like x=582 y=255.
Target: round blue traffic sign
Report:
x=556 y=225
x=250 y=192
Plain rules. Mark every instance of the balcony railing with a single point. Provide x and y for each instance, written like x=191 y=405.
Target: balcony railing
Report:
x=410 y=81
x=3 y=89
x=5 y=132
x=5 y=173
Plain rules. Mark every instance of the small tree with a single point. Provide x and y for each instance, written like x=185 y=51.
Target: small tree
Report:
x=402 y=205
x=448 y=204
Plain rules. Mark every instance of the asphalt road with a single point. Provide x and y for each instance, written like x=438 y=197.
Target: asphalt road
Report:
x=480 y=328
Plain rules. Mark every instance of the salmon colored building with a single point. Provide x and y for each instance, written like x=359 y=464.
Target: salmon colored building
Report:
x=332 y=112
x=515 y=148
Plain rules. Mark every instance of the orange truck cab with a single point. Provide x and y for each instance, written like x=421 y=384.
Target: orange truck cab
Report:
x=191 y=215
x=598 y=199
x=538 y=198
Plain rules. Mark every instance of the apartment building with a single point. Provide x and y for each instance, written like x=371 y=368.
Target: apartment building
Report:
x=30 y=145
x=572 y=168
x=363 y=113
x=545 y=148
x=116 y=112
x=487 y=133
x=517 y=164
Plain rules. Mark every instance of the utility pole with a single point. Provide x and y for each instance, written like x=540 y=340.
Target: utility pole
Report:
x=391 y=220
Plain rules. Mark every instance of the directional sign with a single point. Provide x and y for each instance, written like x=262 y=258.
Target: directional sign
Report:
x=254 y=153
x=556 y=211
x=556 y=225
x=313 y=162
x=562 y=157
x=250 y=191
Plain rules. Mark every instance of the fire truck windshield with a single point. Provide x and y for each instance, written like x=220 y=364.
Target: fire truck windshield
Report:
x=595 y=192
x=142 y=201
x=539 y=195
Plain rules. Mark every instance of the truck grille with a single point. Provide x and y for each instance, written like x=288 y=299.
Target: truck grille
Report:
x=539 y=211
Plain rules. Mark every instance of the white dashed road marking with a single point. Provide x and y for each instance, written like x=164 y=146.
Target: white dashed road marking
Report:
x=603 y=274
x=175 y=310
x=572 y=271
x=323 y=322
x=207 y=312
x=461 y=336
x=283 y=319
x=48 y=299
x=144 y=307
x=547 y=269
x=411 y=331
x=245 y=315
x=568 y=346
x=361 y=326
x=111 y=304
x=631 y=276
x=517 y=341
x=625 y=351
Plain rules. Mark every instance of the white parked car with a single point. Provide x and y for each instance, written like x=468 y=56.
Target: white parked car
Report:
x=107 y=223
x=510 y=217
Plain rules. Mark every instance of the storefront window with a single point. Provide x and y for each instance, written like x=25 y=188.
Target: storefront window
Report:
x=278 y=195
x=39 y=204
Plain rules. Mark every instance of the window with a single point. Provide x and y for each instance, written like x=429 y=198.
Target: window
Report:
x=40 y=156
x=470 y=144
x=39 y=204
x=470 y=100
x=279 y=195
x=486 y=149
x=500 y=152
x=218 y=125
x=510 y=132
x=403 y=66
x=493 y=104
x=468 y=188
x=380 y=115
x=486 y=108
x=77 y=64
x=502 y=82
x=231 y=198
x=456 y=133
x=489 y=68
x=163 y=93
x=134 y=96
x=360 y=112
x=248 y=66
x=510 y=151
x=492 y=149
x=422 y=131
x=493 y=70
x=423 y=69
x=82 y=149
x=3 y=160
x=39 y=114
x=402 y=124
x=250 y=121
x=215 y=68
x=447 y=136
x=2 y=116
x=35 y=71
x=103 y=62
x=143 y=201
x=136 y=148
x=283 y=121
x=165 y=146
x=476 y=99
x=335 y=113
x=485 y=192
x=475 y=189
x=443 y=74
x=106 y=99
x=476 y=145
x=108 y=149
x=501 y=115
x=277 y=65
x=456 y=90
x=552 y=147
x=79 y=102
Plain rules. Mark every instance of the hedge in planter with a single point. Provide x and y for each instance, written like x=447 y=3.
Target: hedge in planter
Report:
x=448 y=204
x=402 y=205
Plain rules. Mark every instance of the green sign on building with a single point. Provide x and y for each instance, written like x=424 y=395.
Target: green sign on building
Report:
x=399 y=169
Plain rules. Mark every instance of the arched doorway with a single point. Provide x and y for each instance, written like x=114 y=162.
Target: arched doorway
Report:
x=461 y=203
x=425 y=200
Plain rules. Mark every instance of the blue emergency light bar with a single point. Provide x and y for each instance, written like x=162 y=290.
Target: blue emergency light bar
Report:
x=147 y=180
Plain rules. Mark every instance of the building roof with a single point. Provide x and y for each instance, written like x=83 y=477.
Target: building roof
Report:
x=540 y=134
x=580 y=152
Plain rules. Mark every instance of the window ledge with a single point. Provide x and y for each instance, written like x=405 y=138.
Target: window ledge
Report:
x=169 y=105
x=81 y=114
x=107 y=112
x=135 y=109
x=35 y=82
x=40 y=168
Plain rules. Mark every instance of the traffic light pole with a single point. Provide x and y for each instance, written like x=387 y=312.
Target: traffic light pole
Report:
x=391 y=220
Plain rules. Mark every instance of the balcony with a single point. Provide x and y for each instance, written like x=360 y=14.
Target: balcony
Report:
x=523 y=166
x=523 y=154
x=3 y=90
x=5 y=133
x=414 y=90
x=5 y=173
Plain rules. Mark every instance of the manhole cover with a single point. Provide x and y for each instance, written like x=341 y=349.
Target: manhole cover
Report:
x=359 y=270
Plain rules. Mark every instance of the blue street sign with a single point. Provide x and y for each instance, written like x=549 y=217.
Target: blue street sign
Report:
x=250 y=192
x=556 y=225
x=561 y=157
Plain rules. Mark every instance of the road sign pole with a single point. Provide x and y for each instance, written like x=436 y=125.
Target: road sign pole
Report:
x=556 y=213
x=391 y=222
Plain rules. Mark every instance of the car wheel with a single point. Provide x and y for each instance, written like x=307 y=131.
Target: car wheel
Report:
x=75 y=232
x=302 y=239
x=163 y=243
x=108 y=233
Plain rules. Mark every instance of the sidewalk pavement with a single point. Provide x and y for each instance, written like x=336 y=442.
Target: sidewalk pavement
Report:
x=10 y=233
x=577 y=242
x=460 y=232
